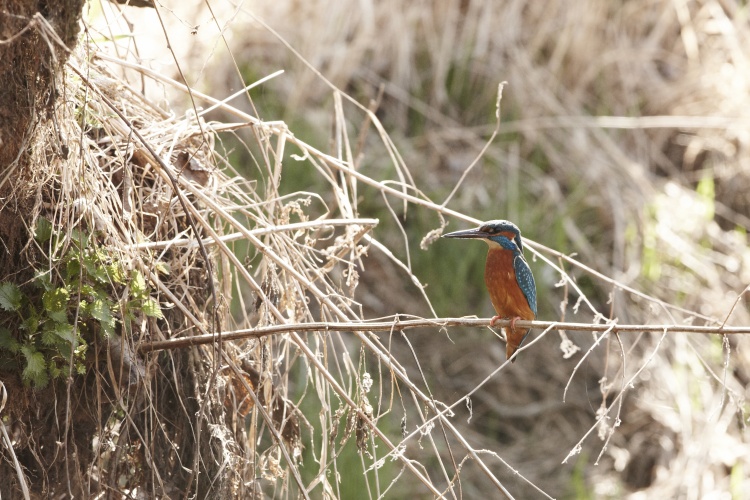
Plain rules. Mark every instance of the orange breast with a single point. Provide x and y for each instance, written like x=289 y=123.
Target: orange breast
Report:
x=505 y=294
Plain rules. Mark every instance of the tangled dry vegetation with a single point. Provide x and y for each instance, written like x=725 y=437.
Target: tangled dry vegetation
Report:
x=623 y=142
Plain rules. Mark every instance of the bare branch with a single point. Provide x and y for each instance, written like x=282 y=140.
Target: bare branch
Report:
x=398 y=325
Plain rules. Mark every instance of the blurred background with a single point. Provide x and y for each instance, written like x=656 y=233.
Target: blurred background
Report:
x=623 y=143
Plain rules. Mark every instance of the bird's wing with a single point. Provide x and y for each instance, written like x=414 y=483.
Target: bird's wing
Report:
x=525 y=281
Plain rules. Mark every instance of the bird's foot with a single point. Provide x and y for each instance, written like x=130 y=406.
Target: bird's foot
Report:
x=512 y=322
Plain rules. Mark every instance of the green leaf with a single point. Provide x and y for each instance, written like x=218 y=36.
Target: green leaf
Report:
x=151 y=308
x=108 y=328
x=101 y=255
x=65 y=332
x=102 y=274
x=42 y=280
x=80 y=238
x=10 y=296
x=43 y=230
x=30 y=324
x=63 y=349
x=100 y=310
x=49 y=337
x=90 y=264
x=56 y=300
x=58 y=316
x=137 y=285
x=115 y=273
x=35 y=370
x=89 y=291
x=163 y=268
x=73 y=269
x=40 y=380
x=7 y=341
x=81 y=349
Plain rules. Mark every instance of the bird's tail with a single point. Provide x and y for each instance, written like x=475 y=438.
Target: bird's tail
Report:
x=514 y=339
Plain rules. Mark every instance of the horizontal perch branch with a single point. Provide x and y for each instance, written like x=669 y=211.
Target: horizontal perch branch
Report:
x=398 y=325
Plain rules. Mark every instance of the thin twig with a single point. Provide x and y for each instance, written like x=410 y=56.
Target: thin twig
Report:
x=193 y=242
x=486 y=145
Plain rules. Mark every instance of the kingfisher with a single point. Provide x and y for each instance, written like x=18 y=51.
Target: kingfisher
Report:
x=507 y=276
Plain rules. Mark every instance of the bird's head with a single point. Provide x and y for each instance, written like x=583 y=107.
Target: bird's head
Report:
x=495 y=232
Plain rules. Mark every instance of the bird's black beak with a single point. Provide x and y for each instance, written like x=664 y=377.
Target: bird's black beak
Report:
x=468 y=233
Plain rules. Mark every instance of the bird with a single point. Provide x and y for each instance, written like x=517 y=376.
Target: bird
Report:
x=508 y=277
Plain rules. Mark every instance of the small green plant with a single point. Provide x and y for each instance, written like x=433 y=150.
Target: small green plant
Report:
x=66 y=305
